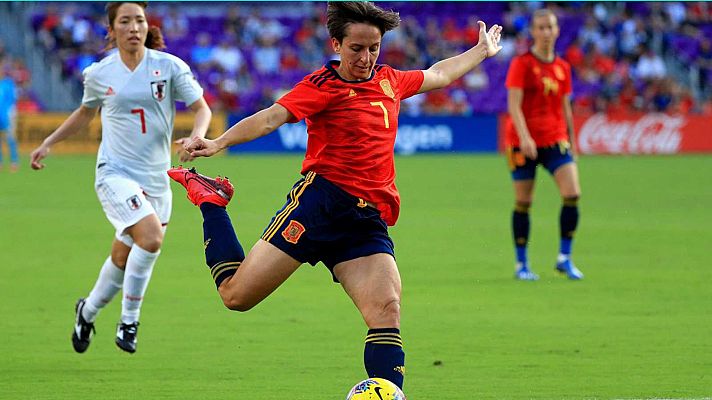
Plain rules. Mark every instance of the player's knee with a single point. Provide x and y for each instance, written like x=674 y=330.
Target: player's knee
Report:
x=150 y=243
x=235 y=302
x=392 y=310
x=236 y=305
x=522 y=206
x=385 y=314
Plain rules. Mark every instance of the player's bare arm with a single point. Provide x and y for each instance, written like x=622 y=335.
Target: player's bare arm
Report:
x=447 y=71
x=79 y=120
x=569 y=117
x=200 y=127
x=255 y=126
x=514 y=106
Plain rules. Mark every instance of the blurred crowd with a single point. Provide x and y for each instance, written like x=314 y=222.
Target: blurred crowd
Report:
x=625 y=56
x=15 y=69
x=622 y=56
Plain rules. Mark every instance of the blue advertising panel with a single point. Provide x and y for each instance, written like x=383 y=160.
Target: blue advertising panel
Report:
x=475 y=134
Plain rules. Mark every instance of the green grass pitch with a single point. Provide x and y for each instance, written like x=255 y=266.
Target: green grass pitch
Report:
x=639 y=325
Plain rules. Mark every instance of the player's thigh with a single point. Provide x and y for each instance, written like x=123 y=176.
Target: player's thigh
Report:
x=567 y=180
x=263 y=270
x=374 y=285
x=523 y=173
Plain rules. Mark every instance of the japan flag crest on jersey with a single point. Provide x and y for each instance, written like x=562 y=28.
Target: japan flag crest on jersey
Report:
x=158 y=90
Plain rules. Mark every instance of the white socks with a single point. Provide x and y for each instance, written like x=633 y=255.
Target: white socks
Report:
x=134 y=281
x=110 y=280
x=139 y=267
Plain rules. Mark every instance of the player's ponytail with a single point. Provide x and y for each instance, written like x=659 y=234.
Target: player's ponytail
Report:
x=154 y=38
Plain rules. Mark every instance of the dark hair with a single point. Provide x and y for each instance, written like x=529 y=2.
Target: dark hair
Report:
x=339 y=14
x=154 y=37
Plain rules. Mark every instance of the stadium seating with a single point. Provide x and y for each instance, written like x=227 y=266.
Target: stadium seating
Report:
x=253 y=86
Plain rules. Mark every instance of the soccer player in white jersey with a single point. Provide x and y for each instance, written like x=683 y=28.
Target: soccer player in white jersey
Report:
x=136 y=89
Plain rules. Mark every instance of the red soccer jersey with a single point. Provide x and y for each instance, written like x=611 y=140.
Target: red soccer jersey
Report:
x=352 y=129
x=544 y=85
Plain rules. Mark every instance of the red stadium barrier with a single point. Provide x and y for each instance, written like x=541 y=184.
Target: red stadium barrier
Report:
x=638 y=133
x=653 y=133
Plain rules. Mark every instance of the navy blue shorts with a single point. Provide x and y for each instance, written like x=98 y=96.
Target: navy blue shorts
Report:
x=321 y=222
x=551 y=158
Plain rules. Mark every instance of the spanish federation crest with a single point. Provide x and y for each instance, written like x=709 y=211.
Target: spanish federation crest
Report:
x=293 y=232
x=158 y=90
x=386 y=87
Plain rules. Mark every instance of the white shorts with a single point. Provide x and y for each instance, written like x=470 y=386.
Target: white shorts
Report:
x=125 y=203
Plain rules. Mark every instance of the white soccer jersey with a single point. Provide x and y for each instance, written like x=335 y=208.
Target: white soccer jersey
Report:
x=137 y=113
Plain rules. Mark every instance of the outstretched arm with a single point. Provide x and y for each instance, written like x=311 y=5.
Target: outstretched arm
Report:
x=447 y=71
x=79 y=120
x=248 y=129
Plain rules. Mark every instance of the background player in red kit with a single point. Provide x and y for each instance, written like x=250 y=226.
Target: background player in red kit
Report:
x=540 y=131
x=339 y=212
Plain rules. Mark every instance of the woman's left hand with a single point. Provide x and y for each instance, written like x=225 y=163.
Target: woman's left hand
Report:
x=490 y=39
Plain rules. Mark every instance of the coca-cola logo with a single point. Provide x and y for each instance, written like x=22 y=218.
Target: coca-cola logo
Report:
x=649 y=134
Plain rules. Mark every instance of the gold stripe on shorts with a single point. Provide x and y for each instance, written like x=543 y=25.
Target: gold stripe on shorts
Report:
x=293 y=204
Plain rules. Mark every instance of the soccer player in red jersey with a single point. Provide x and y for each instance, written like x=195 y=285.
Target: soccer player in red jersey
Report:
x=540 y=131
x=339 y=212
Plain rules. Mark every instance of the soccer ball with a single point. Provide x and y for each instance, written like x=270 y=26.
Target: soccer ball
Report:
x=375 y=389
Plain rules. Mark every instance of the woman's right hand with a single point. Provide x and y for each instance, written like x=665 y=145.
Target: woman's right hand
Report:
x=37 y=155
x=528 y=147
x=202 y=147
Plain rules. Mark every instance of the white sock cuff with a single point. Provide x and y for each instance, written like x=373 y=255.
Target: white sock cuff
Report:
x=140 y=259
x=114 y=273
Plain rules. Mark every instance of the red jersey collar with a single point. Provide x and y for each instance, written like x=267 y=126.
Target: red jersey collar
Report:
x=333 y=63
x=540 y=60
